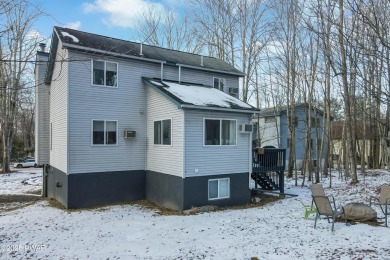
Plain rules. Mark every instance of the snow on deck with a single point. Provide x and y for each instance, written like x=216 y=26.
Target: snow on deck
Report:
x=274 y=231
x=202 y=96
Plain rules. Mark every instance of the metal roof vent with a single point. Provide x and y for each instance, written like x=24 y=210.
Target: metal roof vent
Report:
x=201 y=60
x=140 y=50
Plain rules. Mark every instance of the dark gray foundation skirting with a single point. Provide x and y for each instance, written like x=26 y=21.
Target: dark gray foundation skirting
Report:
x=196 y=191
x=99 y=188
x=180 y=194
x=164 y=190
x=95 y=188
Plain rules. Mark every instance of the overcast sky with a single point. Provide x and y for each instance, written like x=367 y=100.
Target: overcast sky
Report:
x=115 y=18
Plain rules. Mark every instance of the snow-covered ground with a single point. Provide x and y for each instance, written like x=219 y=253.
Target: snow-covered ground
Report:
x=275 y=231
x=21 y=181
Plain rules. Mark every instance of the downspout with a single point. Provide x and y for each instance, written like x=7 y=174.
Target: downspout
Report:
x=162 y=71
x=184 y=157
x=250 y=153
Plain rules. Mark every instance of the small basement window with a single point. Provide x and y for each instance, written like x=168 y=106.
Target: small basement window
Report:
x=219 y=189
x=162 y=132
x=104 y=73
x=104 y=132
x=219 y=83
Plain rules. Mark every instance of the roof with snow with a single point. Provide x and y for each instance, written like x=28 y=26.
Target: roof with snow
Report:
x=197 y=96
x=94 y=43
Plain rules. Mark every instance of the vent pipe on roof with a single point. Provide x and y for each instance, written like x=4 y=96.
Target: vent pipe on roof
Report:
x=162 y=71
x=201 y=60
x=179 y=73
x=42 y=47
x=140 y=50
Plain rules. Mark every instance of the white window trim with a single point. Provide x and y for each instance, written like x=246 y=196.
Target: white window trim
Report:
x=220 y=133
x=160 y=120
x=117 y=74
x=104 y=144
x=224 y=83
x=218 y=198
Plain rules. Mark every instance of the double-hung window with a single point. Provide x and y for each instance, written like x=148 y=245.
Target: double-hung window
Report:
x=104 y=132
x=162 y=132
x=219 y=83
x=220 y=132
x=104 y=73
x=219 y=189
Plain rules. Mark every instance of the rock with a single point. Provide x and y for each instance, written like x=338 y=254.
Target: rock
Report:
x=256 y=200
x=359 y=212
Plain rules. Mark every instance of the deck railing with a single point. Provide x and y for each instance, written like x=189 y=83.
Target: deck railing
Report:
x=268 y=168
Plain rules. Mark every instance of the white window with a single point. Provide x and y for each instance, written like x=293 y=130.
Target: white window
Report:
x=220 y=132
x=104 y=132
x=219 y=83
x=162 y=132
x=219 y=189
x=104 y=73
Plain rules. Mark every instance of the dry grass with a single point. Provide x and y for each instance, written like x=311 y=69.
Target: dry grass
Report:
x=14 y=202
x=158 y=210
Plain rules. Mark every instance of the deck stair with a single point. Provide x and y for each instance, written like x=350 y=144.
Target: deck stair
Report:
x=268 y=168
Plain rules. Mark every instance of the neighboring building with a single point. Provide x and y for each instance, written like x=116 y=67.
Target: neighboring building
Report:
x=120 y=121
x=376 y=143
x=271 y=126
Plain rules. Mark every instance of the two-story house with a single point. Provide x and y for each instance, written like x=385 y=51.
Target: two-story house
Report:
x=272 y=130
x=122 y=121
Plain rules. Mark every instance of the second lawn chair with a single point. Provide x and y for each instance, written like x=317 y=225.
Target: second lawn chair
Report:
x=325 y=208
x=383 y=201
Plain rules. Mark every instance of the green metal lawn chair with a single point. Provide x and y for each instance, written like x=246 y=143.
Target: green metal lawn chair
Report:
x=309 y=209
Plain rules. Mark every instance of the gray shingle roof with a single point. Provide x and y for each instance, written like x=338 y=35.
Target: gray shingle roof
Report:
x=128 y=48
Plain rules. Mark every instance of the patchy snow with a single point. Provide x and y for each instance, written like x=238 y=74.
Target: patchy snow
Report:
x=203 y=96
x=74 y=38
x=21 y=182
x=158 y=83
x=274 y=231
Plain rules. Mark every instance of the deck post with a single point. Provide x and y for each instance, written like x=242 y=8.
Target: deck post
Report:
x=281 y=181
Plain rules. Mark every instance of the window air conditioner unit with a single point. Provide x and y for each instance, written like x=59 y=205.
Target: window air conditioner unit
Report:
x=129 y=133
x=233 y=91
x=245 y=128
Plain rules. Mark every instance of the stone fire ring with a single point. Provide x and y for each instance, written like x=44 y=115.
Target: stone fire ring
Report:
x=359 y=212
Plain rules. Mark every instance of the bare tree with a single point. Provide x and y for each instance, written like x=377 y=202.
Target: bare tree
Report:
x=168 y=30
x=17 y=47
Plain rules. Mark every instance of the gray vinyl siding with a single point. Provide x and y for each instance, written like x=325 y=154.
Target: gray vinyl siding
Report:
x=127 y=105
x=59 y=112
x=166 y=159
x=206 y=78
x=212 y=160
x=170 y=72
x=42 y=114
